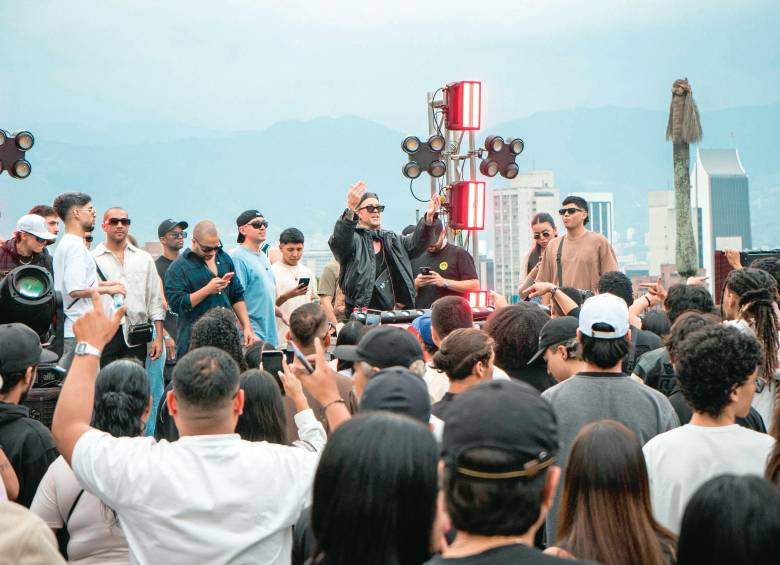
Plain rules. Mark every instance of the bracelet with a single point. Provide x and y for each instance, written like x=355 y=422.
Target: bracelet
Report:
x=649 y=302
x=329 y=404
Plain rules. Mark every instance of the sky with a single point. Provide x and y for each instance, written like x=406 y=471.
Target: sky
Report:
x=240 y=65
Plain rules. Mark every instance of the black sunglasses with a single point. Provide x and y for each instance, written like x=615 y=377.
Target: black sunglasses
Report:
x=545 y=233
x=371 y=209
x=569 y=211
x=177 y=234
x=259 y=225
x=117 y=221
x=207 y=249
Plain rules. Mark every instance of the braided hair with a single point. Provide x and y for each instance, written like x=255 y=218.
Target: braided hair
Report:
x=461 y=351
x=757 y=292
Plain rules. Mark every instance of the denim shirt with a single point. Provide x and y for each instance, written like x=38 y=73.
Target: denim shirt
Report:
x=188 y=274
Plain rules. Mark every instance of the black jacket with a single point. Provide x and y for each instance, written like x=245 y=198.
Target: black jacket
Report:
x=354 y=250
x=29 y=447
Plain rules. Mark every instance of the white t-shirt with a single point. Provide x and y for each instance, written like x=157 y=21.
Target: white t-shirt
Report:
x=94 y=537
x=74 y=269
x=681 y=460
x=287 y=279
x=203 y=499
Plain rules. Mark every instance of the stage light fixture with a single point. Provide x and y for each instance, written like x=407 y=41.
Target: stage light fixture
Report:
x=12 y=153
x=424 y=156
x=478 y=298
x=464 y=106
x=467 y=205
x=501 y=156
x=27 y=296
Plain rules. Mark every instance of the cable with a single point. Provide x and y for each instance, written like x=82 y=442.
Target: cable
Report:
x=414 y=195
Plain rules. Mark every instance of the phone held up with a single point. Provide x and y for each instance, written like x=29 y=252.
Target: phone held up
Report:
x=272 y=362
x=303 y=281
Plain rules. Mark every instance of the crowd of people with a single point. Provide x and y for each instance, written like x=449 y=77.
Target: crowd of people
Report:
x=223 y=406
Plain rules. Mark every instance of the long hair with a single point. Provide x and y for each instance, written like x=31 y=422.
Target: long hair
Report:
x=757 y=292
x=606 y=513
x=773 y=466
x=217 y=328
x=375 y=492
x=263 y=416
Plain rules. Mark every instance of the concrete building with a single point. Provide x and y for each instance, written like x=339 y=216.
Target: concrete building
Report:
x=513 y=208
x=662 y=233
x=600 y=209
x=721 y=193
x=316 y=260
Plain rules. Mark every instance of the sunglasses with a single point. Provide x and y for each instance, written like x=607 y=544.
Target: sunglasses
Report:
x=88 y=238
x=545 y=233
x=569 y=211
x=177 y=234
x=259 y=225
x=371 y=209
x=208 y=249
x=38 y=239
x=117 y=221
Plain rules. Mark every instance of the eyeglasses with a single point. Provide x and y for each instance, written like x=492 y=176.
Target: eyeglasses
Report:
x=545 y=233
x=569 y=211
x=259 y=225
x=208 y=249
x=371 y=209
x=88 y=238
x=177 y=234
x=117 y=221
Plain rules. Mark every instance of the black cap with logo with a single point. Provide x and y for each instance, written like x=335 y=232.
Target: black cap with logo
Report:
x=386 y=346
x=244 y=218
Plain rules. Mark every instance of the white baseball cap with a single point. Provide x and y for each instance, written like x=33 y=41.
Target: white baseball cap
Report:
x=35 y=225
x=604 y=309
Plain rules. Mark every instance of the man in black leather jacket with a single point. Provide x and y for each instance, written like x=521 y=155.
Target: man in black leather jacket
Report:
x=376 y=270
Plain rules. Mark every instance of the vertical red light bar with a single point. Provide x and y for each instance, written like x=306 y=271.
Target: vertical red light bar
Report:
x=478 y=298
x=464 y=106
x=467 y=205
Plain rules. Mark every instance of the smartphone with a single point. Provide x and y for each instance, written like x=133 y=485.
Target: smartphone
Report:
x=303 y=281
x=227 y=276
x=425 y=271
x=272 y=362
x=300 y=357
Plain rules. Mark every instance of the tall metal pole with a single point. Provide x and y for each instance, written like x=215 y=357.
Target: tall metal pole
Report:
x=431 y=131
x=473 y=176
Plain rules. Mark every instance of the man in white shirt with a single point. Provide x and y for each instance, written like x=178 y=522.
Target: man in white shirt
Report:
x=119 y=260
x=209 y=497
x=716 y=370
x=75 y=274
x=295 y=283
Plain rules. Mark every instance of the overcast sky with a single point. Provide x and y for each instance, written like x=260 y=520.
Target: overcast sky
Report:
x=245 y=64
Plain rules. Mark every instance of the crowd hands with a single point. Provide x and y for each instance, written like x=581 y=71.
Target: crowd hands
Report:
x=580 y=427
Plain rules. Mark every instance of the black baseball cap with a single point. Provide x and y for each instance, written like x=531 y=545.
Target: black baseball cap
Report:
x=20 y=347
x=167 y=225
x=386 y=346
x=506 y=416
x=397 y=389
x=244 y=218
x=557 y=330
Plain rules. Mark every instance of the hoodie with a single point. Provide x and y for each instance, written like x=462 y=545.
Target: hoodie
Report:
x=29 y=447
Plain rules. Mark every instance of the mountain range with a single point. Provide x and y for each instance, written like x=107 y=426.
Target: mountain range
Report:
x=298 y=172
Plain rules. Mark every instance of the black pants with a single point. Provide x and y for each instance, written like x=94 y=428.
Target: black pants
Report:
x=118 y=349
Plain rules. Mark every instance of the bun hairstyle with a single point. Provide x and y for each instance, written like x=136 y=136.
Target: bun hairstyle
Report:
x=121 y=398
x=757 y=292
x=461 y=351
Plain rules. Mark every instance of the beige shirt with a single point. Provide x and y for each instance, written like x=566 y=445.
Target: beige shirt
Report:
x=24 y=538
x=287 y=278
x=584 y=260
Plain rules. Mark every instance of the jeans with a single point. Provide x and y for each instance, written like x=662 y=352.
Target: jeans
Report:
x=155 y=368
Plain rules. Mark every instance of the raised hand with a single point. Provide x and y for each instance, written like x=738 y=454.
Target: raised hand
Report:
x=355 y=193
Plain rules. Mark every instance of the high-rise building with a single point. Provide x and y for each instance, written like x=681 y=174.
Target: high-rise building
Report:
x=316 y=260
x=721 y=193
x=662 y=232
x=513 y=208
x=600 y=212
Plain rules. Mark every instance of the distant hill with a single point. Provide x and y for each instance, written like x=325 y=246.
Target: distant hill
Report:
x=298 y=173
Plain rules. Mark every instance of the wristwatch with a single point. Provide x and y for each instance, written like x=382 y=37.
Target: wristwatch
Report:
x=83 y=348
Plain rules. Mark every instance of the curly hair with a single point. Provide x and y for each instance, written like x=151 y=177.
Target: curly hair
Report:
x=461 y=351
x=757 y=292
x=688 y=322
x=682 y=297
x=769 y=264
x=516 y=330
x=218 y=328
x=710 y=362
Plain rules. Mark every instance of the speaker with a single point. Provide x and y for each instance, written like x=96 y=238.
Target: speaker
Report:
x=722 y=267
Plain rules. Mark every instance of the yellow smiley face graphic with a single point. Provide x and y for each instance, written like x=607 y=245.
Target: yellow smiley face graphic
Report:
x=443 y=266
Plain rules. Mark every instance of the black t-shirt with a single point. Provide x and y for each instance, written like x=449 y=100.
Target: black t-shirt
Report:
x=513 y=554
x=644 y=341
x=439 y=409
x=753 y=421
x=162 y=263
x=453 y=263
